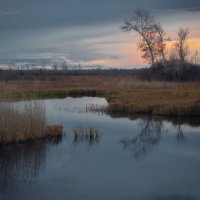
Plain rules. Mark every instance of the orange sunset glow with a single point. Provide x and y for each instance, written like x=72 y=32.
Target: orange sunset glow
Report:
x=130 y=55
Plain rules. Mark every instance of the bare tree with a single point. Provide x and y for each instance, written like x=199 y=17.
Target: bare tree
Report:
x=55 y=66
x=152 y=42
x=180 y=52
x=195 y=59
x=161 y=46
x=181 y=45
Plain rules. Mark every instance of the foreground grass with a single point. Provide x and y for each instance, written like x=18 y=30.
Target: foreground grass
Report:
x=23 y=122
x=125 y=94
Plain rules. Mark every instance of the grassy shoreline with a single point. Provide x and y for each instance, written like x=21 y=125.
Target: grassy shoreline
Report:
x=124 y=94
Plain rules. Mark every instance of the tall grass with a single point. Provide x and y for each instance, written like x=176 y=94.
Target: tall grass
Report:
x=23 y=121
x=91 y=135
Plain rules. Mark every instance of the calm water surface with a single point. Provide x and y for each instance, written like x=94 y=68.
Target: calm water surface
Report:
x=141 y=158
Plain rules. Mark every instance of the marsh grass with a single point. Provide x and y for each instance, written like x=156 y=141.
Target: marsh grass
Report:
x=90 y=134
x=24 y=121
x=84 y=109
x=173 y=100
x=125 y=93
x=180 y=91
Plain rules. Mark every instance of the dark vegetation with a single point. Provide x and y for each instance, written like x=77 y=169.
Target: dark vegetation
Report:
x=189 y=73
x=42 y=74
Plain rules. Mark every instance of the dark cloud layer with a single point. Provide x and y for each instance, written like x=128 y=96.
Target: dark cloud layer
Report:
x=51 y=13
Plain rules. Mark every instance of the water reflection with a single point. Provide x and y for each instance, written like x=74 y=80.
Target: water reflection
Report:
x=175 y=120
x=175 y=197
x=55 y=140
x=170 y=173
x=83 y=109
x=180 y=135
x=89 y=135
x=20 y=162
x=148 y=138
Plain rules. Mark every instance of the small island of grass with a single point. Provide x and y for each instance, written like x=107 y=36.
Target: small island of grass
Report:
x=24 y=122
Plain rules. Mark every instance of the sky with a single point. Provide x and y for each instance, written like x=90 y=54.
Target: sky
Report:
x=87 y=31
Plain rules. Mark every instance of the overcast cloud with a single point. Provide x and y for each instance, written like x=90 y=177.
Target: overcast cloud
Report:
x=81 y=29
x=54 y=13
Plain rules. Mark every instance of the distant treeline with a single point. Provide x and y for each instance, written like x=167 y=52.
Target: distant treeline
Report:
x=157 y=73
x=46 y=74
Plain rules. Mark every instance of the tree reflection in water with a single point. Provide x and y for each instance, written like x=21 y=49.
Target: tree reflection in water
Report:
x=148 y=138
x=22 y=161
x=145 y=141
x=180 y=136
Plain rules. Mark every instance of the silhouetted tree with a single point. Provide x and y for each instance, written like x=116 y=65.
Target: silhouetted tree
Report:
x=160 y=41
x=55 y=67
x=152 y=43
x=181 y=44
x=179 y=54
x=195 y=59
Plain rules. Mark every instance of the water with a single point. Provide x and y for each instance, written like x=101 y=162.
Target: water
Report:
x=139 y=158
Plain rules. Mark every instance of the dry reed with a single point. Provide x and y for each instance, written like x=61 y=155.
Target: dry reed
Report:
x=24 y=121
x=90 y=135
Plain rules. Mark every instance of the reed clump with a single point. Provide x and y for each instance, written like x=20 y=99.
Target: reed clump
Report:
x=90 y=135
x=24 y=121
x=53 y=130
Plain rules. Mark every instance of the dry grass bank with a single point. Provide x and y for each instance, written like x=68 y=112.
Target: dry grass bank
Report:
x=157 y=99
x=124 y=93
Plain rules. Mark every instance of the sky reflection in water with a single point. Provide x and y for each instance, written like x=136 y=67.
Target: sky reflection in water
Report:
x=139 y=158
